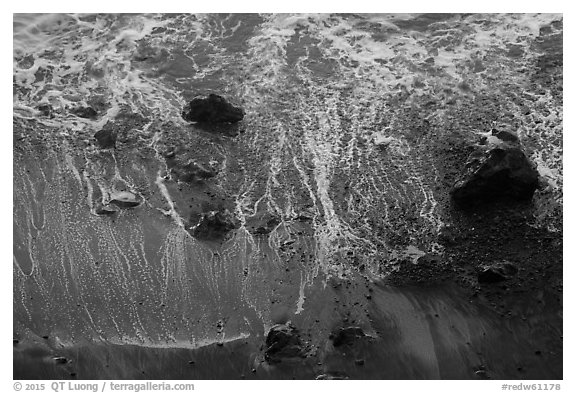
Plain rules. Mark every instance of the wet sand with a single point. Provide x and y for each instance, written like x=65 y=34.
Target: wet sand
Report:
x=414 y=333
x=337 y=185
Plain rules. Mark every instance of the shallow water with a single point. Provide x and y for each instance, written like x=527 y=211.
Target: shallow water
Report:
x=341 y=114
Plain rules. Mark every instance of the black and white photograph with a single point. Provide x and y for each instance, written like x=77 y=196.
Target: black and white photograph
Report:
x=287 y=196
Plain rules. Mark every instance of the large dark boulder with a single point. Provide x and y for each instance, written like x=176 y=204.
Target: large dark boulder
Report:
x=214 y=225
x=212 y=109
x=499 y=173
x=283 y=341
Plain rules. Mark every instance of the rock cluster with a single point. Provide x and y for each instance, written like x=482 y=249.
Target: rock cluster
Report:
x=497 y=272
x=191 y=172
x=214 y=225
x=347 y=335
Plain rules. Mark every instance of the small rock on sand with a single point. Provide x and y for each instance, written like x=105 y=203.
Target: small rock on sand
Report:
x=347 y=335
x=124 y=199
x=85 y=112
x=497 y=272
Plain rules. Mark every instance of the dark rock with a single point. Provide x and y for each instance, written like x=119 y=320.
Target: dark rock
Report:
x=214 y=225
x=124 y=199
x=500 y=173
x=60 y=360
x=262 y=223
x=497 y=272
x=447 y=235
x=359 y=362
x=15 y=341
x=333 y=375
x=347 y=335
x=506 y=136
x=46 y=110
x=106 y=137
x=85 y=112
x=429 y=259
x=283 y=341
x=104 y=210
x=306 y=215
x=429 y=269
x=212 y=109
x=124 y=128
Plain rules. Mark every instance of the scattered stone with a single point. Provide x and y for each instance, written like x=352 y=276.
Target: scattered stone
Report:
x=427 y=269
x=263 y=223
x=501 y=173
x=497 y=272
x=212 y=109
x=306 y=215
x=447 y=235
x=85 y=112
x=60 y=359
x=124 y=128
x=333 y=375
x=283 y=341
x=106 y=210
x=214 y=225
x=106 y=137
x=506 y=136
x=46 y=110
x=124 y=199
x=191 y=172
x=347 y=335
